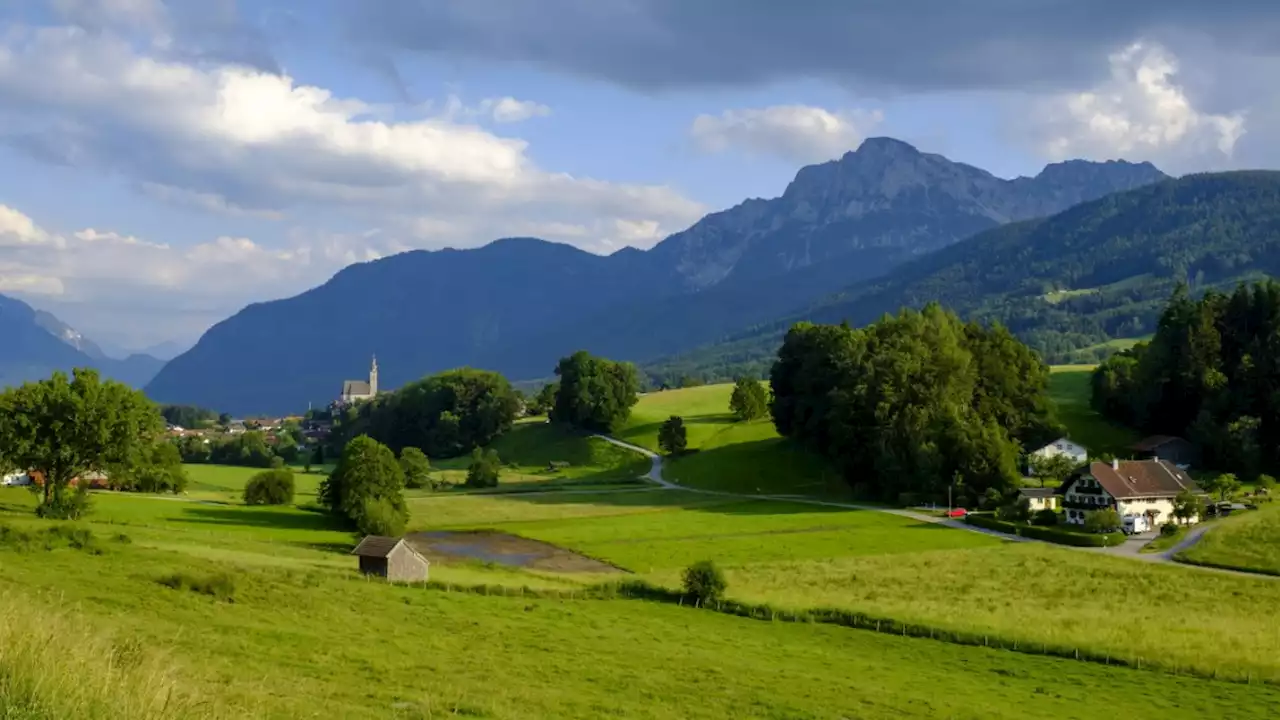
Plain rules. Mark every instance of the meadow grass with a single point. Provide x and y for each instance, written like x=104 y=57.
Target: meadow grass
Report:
x=225 y=483
x=528 y=449
x=54 y=666
x=743 y=457
x=324 y=643
x=1070 y=389
x=1247 y=541
x=800 y=557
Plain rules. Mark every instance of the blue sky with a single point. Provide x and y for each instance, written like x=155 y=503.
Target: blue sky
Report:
x=168 y=163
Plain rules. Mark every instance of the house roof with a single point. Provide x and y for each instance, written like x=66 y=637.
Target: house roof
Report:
x=1036 y=492
x=355 y=387
x=380 y=547
x=1141 y=478
x=376 y=546
x=1155 y=441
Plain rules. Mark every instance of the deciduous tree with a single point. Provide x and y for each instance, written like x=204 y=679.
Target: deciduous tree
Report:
x=749 y=399
x=64 y=428
x=416 y=466
x=368 y=475
x=672 y=436
x=595 y=394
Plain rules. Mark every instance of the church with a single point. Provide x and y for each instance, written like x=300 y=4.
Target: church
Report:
x=354 y=391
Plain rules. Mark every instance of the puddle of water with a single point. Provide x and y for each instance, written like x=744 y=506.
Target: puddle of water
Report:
x=479 y=553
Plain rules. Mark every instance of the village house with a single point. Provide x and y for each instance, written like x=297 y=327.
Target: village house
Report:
x=1130 y=487
x=1062 y=447
x=1040 y=498
x=1166 y=447
x=391 y=558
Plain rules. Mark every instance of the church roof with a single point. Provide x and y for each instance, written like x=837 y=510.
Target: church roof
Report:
x=355 y=387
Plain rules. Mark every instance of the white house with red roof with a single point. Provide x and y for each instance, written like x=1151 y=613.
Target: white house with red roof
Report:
x=1130 y=487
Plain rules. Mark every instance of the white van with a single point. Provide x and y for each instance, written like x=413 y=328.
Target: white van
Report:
x=1136 y=524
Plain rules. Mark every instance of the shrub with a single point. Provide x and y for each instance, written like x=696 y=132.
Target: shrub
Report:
x=1048 y=534
x=270 y=487
x=672 y=436
x=704 y=582
x=380 y=517
x=50 y=538
x=416 y=466
x=1018 y=511
x=220 y=586
x=484 y=469
x=1102 y=521
x=1168 y=529
x=1045 y=518
x=71 y=505
x=749 y=399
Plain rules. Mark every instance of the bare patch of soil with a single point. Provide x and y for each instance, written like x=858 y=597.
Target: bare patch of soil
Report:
x=504 y=549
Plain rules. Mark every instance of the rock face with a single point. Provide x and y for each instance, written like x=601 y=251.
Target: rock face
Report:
x=517 y=305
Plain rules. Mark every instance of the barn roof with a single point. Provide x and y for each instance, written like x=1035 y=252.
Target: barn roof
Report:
x=376 y=546
x=1142 y=478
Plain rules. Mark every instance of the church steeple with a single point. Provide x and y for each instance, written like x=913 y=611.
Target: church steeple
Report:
x=373 y=376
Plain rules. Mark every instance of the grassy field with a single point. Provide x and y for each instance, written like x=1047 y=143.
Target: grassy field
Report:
x=305 y=637
x=1070 y=389
x=531 y=446
x=744 y=457
x=802 y=557
x=1248 y=541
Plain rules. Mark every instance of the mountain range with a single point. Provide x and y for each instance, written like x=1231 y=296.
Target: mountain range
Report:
x=518 y=304
x=37 y=343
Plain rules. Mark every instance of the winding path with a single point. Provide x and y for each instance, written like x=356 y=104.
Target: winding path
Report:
x=1130 y=549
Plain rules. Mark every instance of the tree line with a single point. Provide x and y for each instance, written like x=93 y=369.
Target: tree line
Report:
x=914 y=403
x=1210 y=374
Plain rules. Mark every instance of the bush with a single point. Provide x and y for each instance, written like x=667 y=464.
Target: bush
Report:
x=704 y=582
x=1018 y=511
x=270 y=487
x=380 y=517
x=416 y=466
x=220 y=586
x=1168 y=529
x=50 y=538
x=749 y=399
x=71 y=505
x=673 y=438
x=1045 y=518
x=485 y=468
x=1102 y=521
x=1048 y=534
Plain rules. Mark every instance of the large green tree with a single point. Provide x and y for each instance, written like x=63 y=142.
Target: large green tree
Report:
x=65 y=427
x=594 y=393
x=908 y=403
x=367 y=484
x=1211 y=374
x=444 y=415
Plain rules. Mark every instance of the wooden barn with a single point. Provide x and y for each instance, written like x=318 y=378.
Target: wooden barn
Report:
x=391 y=558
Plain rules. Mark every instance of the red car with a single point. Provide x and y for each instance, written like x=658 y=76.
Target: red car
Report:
x=957 y=513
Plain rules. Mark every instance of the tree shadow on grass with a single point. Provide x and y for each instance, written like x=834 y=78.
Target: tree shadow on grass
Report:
x=260 y=518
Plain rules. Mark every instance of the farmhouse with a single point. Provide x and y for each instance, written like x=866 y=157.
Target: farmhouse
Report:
x=1040 y=498
x=1166 y=447
x=1130 y=487
x=391 y=558
x=1063 y=447
x=356 y=390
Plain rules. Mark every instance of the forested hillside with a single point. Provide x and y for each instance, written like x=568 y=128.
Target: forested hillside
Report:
x=1096 y=272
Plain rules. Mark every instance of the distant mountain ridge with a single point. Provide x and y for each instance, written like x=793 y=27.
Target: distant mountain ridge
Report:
x=517 y=305
x=1067 y=284
x=36 y=343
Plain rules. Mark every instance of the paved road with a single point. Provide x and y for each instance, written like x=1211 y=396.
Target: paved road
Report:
x=1129 y=549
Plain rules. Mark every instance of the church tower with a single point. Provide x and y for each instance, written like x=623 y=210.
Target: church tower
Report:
x=373 y=377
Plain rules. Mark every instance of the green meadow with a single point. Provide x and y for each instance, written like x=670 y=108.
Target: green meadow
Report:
x=1069 y=386
x=1247 y=541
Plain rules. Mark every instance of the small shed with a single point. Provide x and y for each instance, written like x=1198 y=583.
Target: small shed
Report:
x=391 y=558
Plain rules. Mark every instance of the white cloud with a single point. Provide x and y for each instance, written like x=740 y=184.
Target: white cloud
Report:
x=511 y=110
x=233 y=138
x=796 y=133
x=1141 y=112
x=93 y=278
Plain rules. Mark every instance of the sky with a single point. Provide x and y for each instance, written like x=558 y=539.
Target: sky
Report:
x=165 y=163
